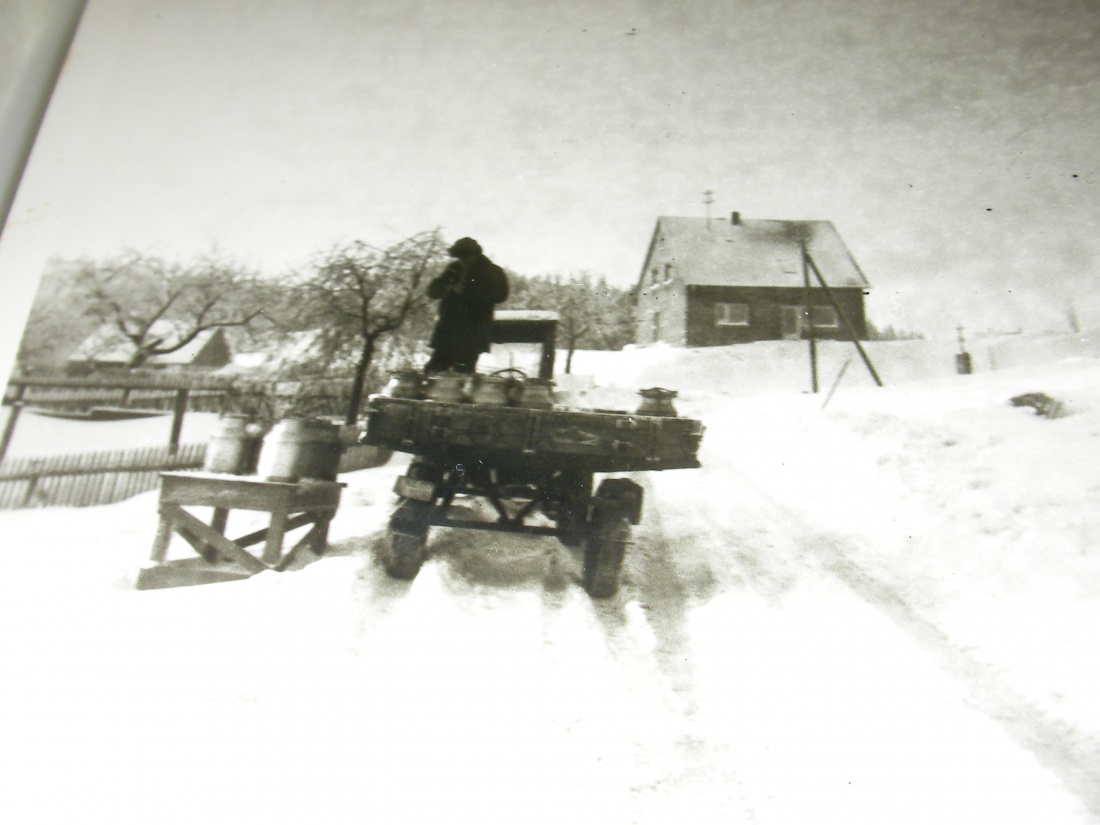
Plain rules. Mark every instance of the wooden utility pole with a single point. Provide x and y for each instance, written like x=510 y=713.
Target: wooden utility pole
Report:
x=843 y=318
x=809 y=317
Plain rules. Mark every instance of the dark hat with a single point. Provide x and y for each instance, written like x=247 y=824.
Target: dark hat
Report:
x=464 y=247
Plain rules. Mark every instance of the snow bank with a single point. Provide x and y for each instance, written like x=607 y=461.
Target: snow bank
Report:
x=977 y=516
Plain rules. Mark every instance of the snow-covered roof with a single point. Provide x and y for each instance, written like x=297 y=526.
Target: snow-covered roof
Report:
x=766 y=253
x=293 y=348
x=107 y=345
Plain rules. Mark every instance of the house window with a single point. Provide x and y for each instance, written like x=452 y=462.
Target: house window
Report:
x=668 y=272
x=825 y=318
x=655 y=275
x=731 y=315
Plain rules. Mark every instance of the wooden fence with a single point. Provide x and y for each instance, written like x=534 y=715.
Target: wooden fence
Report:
x=90 y=478
x=180 y=393
x=78 y=399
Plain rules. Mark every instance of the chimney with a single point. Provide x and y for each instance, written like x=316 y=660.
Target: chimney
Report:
x=735 y=218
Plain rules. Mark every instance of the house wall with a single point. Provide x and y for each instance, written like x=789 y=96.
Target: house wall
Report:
x=765 y=313
x=659 y=313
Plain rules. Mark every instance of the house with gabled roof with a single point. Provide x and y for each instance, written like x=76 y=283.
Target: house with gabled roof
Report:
x=108 y=349
x=709 y=282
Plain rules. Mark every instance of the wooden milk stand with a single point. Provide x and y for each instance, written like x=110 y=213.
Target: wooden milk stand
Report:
x=291 y=505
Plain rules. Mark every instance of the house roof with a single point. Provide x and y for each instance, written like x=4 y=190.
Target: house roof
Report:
x=292 y=348
x=106 y=345
x=713 y=252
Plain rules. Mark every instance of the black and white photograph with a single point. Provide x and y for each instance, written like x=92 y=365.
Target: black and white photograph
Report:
x=631 y=412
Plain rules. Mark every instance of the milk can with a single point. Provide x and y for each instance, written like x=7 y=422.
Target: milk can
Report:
x=298 y=448
x=490 y=391
x=657 y=401
x=448 y=387
x=405 y=384
x=535 y=393
x=234 y=447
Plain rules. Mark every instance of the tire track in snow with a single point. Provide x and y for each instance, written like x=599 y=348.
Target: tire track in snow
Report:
x=680 y=772
x=647 y=635
x=1070 y=755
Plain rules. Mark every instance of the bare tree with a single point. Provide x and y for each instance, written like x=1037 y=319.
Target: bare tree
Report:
x=575 y=310
x=359 y=294
x=592 y=314
x=160 y=307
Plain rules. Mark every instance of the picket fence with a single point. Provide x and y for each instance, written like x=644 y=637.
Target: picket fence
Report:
x=86 y=479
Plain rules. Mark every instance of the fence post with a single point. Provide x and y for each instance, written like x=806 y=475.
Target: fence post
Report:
x=9 y=426
x=178 y=411
x=32 y=488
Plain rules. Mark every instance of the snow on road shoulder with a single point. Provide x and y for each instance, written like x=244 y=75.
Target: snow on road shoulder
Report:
x=979 y=515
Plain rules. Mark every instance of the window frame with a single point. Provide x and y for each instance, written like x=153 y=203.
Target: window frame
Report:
x=723 y=314
x=834 y=317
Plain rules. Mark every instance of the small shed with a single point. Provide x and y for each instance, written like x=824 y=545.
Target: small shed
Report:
x=108 y=349
x=708 y=282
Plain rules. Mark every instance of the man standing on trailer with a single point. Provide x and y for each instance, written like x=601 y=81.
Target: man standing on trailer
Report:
x=467 y=291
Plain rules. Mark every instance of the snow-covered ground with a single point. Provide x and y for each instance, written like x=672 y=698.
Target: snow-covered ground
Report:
x=39 y=434
x=883 y=610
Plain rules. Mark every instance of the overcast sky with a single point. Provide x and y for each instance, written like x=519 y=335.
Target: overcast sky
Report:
x=953 y=143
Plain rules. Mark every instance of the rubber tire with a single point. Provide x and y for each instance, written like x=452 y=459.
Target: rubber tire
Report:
x=405 y=555
x=603 y=558
x=627 y=494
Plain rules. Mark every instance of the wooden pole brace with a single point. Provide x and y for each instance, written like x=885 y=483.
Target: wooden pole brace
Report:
x=843 y=319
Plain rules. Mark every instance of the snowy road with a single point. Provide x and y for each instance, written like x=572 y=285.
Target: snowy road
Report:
x=776 y=654
x=813 y=684
x=736 y=678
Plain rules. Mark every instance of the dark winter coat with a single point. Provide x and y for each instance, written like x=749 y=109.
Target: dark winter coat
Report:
x=467 y=292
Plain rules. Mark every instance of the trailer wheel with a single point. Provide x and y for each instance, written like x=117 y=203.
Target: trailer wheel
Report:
x=408 y=545
x=603 y=557
x=626 y=493
x=405 y=555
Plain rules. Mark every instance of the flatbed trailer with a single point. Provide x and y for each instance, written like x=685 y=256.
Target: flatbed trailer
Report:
x=535 y=467
x=526 y=464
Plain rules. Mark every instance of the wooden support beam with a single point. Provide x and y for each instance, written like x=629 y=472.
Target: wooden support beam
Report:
x=198 y=545
x=311 y=539
x=836 y=383
x=13 y=417
x=810 y=318
x=843 y=319
x=179 y=409
x=179 y=516
x=299 y=520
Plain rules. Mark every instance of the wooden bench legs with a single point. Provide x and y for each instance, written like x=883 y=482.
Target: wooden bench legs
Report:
x=290 y=507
